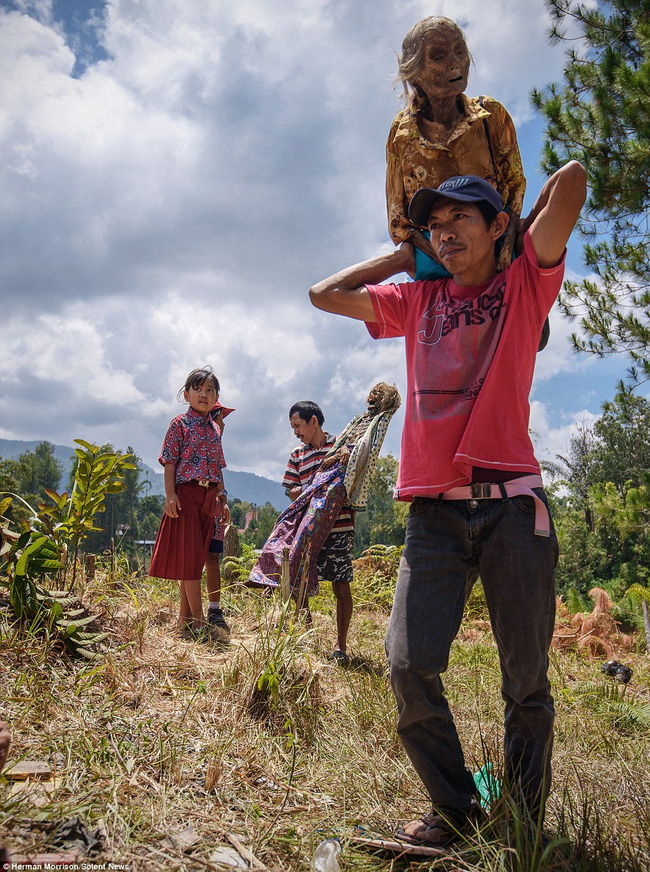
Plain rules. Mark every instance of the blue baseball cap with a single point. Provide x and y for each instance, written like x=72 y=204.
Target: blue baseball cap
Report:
x=467 y=189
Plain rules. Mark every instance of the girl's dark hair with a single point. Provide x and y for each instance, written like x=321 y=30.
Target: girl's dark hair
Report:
x=196 y=378
x=306 y=409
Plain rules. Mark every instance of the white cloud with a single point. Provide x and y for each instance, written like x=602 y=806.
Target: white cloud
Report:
x=551 y=441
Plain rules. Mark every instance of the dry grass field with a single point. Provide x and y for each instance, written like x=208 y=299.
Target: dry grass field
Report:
x=171 y=754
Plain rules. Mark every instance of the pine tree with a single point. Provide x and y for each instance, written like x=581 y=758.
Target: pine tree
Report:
x=600 y=116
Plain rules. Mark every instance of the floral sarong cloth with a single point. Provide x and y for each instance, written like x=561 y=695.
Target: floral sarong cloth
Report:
x=304 y=526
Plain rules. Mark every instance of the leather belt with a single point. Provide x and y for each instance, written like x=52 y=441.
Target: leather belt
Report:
x=205 y=482
x=516 y=487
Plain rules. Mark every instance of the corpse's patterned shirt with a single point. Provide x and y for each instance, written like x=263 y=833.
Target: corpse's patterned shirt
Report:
x=193 y=444
x=302 y=467
x=413 y=162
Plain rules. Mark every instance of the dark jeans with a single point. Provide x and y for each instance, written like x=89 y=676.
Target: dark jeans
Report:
x=448 y=544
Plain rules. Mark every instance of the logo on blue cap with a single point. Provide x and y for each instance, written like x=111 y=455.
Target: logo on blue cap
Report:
x=466 y=189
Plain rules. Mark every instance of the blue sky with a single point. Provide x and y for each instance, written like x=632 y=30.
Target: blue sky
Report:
x=177 y=173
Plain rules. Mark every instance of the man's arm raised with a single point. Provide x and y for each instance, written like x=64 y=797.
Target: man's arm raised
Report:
x=345 y=293
x=555 y=213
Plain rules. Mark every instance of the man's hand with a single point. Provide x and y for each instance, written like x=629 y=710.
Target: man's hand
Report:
x=294 y=493
x=408 y=250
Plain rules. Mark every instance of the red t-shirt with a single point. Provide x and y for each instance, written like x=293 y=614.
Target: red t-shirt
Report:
x=470 y=357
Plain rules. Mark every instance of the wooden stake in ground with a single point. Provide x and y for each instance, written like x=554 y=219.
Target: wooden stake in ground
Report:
x=304 y=576
x=285 y=579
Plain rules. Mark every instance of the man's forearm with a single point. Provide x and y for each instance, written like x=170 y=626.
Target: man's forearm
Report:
x=344 y=293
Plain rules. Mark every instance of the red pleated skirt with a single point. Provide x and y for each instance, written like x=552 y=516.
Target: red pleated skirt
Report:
x=182 y=543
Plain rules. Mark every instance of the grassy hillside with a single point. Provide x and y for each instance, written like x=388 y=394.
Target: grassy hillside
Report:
x=179 y=755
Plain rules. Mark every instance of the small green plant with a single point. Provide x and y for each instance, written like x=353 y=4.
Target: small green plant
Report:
x=284 y=674
x=72 y=517
x=26 y=560
x=47 y=545
x=239 y=568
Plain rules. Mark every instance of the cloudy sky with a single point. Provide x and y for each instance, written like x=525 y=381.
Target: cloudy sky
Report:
x=177 y=173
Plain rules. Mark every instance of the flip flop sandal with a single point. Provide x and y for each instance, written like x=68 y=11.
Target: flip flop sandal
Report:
x=447 y=834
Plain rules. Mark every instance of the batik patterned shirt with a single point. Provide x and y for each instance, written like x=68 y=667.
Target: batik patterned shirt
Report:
x=193 y=444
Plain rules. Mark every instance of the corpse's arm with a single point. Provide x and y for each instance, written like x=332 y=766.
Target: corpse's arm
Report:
x=344 y=293
x=511 y=181
x=399 y=226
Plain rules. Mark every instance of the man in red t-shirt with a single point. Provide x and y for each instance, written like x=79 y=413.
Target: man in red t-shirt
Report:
x=467 y=466
x=334 y=560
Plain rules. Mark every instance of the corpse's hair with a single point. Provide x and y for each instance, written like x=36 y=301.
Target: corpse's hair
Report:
x=306 y=409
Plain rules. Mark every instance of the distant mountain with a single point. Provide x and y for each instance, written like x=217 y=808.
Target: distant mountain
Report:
x=245 y=486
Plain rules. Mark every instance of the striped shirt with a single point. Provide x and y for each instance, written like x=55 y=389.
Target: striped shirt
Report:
x=303 y=465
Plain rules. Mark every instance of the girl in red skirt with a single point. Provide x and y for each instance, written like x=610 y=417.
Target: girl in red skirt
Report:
x=192 y=458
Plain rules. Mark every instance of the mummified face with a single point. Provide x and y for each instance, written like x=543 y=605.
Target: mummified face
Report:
x=374 y=399
x=446 y=62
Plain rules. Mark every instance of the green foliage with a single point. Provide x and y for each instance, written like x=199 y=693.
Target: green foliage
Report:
x=46 y=547
x=27 y=559
x=584 y=559
x=120 y=507
x=30 y=476
x=576 y=603
x=148 y=512
x=621 y=453
x=41 y=471
x=375 y=575
x=261 y=525
x=240 y=568
x=10 y=484
x=639 y=593
x=614 y=711
x=71 y=518
x=599 y=116
x=384 y=520
x=603 y=525
x=285 y=678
